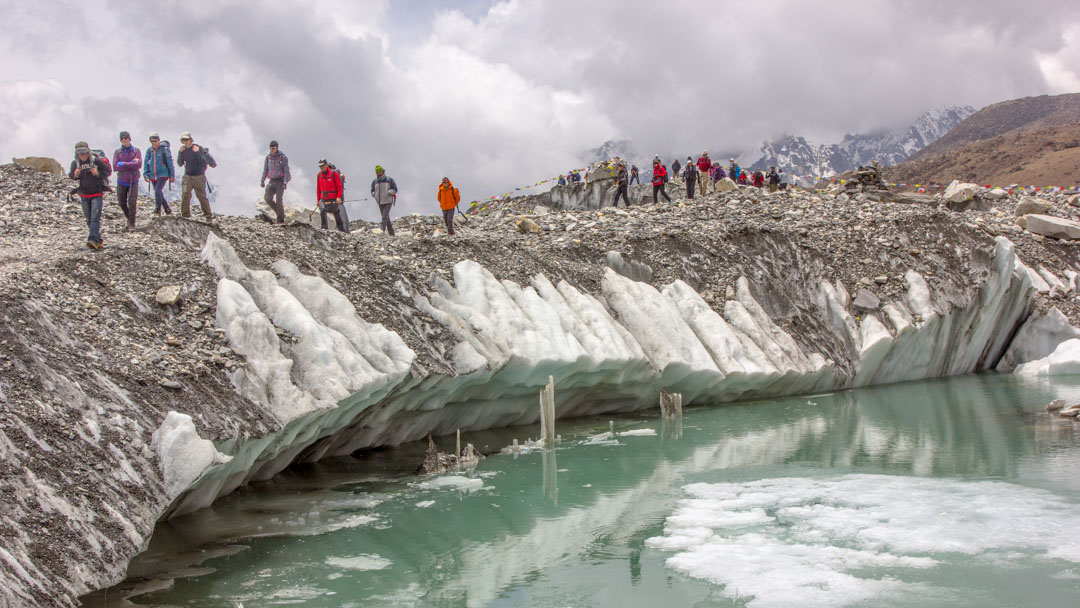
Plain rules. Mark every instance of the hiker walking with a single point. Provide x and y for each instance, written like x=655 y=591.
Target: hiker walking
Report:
x=634 y=175
x=330 y=196
x=675 y=168
x=276 y=168
x=384 y=191
x=90 y=171
x=734 y=171
x=773 y=178
x=690 y=174
x=158 y=170
x=704 y=167
x=659 y=177
x=449 y=197
x=717 y=173
x=128 y=162
x=622 y=181
x=194 y=159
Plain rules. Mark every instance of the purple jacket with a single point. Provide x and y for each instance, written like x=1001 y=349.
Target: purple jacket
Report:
x=128 y=173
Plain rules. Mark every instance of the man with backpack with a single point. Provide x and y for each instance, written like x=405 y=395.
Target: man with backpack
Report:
x=449 y=197
x=773 y=179
x=384 y=191
x=675 y=168
x=90 y=171
x=690 y=175
x=704 y=166
x=158 y=170
x=276 y=167
x=634 y=178
x=127 y=159
x=659 y=178
x=194 y=159
x=330 y=196
x=622 y=182
x=734 y=171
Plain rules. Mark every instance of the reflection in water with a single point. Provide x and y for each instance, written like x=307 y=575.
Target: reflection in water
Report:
x=504 y=539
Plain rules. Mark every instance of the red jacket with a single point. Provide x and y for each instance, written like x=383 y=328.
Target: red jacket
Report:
x=658 y=174
x=328 y=186
x=704 y=164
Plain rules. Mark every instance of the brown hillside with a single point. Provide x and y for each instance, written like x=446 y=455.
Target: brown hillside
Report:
x=1026 y=114
x=1043 y=157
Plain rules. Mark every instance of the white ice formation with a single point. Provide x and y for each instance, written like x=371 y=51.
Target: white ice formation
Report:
x=341 y=383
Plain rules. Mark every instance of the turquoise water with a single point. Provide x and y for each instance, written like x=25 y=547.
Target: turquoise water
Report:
x=947 y=493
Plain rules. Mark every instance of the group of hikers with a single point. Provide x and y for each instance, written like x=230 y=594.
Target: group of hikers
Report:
x=91 y=169
x=702 y=172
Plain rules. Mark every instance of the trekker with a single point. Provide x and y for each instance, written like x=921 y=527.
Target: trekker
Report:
x=276 y=167
x=194 y=159
x=759 y=179
x=634 y=175
x=158 y=170
x=773 y=178
x=90 y=171
x=675 y=168
x=742 y=177
x=562 y=180
x=717 y=173
x=659 y=177
x=734 y=171
x=690 y=175
x=622 y=181
x=128 y=162
x=384 y=191
x=330 y=196
x=704 y=165
x=449 y=197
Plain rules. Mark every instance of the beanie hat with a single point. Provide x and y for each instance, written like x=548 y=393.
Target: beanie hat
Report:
x=273 y=143
x=82 y=148
x=378 y=168
x=125 y=135
x=155 y=135
x=185 y=135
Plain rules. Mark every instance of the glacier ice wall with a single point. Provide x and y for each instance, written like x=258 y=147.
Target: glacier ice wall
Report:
x=337 y=383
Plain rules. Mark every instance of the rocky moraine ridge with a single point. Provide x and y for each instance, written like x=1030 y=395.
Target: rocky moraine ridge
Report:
x=123 y=402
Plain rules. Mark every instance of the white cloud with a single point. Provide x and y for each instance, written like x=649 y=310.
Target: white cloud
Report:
x=503 y=97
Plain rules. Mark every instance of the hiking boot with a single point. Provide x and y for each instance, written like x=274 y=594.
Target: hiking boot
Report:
x=91 y=245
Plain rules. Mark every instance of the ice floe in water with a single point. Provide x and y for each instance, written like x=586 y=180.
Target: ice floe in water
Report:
x=423 y=504
x=365 y=561
x=638 y=433
x=452 y=482
x=810 y=542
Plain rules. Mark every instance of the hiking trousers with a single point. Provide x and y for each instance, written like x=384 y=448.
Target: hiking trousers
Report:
x=276 y=189
x=91 y=208
x=448 y=217
x=621 y=191
x=690 y=189
x=159 y=196
x=659 y=188
x=703 y=179
x=198 y=184
x=341 y=218
x=387 y=227
x=128 y=197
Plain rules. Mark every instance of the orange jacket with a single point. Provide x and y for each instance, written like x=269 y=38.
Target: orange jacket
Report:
x=449 y=196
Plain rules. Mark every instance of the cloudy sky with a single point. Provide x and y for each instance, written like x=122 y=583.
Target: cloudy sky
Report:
x=501 y=94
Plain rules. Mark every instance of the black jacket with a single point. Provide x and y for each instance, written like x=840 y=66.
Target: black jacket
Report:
x=90 y=185
x=622 y=178
x=195 y=163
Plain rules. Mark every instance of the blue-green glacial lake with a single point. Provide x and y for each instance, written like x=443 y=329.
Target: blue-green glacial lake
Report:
x=956 y=492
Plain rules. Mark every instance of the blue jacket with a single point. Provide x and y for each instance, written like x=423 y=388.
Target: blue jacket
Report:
x=158 y=165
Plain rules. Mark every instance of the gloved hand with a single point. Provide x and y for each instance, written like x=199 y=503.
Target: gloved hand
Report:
x=120 y=164
x=262 y=184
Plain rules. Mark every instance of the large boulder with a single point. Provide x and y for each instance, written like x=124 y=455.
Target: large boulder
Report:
x=960 y=193
x=40 y=163
x=996 y=194
x=725 y=185
x=1029 y=205
x=1053 y=227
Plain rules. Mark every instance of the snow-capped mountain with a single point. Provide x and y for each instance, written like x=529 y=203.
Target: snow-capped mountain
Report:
x=799 y=157
x=623 y=148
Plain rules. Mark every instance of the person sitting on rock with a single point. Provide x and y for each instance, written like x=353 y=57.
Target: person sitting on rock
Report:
x=449 y=197
x=690 y=175
x=384 y=191
x=562 y=180
x=659 y=178
x=90 y=171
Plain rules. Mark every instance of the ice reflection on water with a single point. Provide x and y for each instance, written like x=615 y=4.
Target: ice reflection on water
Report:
x=569 y=526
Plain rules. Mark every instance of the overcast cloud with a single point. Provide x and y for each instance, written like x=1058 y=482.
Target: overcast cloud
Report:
x=501 y=94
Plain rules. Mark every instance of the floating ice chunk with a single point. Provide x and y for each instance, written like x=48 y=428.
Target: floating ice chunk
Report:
x=800 y=542
x=364 y=561
x=638 y=433
x=605 y=438
x=452 y=482
x=1064 y=360
x=182 y=454
x=423 y=504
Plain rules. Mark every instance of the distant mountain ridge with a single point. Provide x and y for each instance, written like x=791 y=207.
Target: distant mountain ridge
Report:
x=799 y=157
